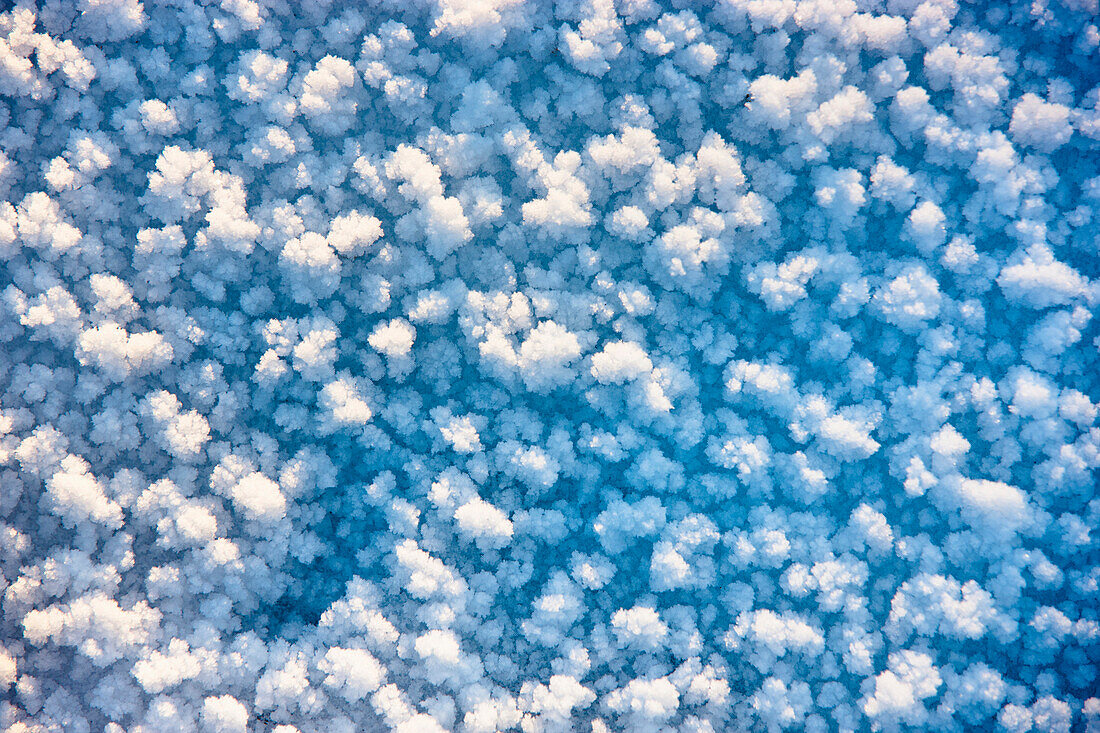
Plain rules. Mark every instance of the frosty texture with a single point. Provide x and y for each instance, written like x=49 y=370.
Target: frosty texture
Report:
x=487 y=365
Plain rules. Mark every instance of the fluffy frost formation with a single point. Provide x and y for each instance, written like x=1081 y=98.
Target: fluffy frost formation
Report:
x=549 y=366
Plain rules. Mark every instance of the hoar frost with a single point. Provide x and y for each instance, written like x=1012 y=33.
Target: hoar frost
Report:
x=549 y=366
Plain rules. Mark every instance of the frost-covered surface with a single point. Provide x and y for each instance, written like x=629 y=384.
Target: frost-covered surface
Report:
x=508 y=365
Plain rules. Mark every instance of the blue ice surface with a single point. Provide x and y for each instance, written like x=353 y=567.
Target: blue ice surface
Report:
x=785 y=461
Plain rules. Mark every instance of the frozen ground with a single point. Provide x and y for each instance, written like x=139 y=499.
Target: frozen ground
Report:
x=577 y=366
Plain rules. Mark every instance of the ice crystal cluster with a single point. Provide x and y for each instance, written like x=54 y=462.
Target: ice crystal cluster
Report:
x=532 y=365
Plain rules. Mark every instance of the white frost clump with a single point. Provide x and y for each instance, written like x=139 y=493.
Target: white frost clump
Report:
x=1035 y=278
x=925 y=226
x=546 y=354
x=119 y=354
x=484 y=523
x=394 y=338
x=325 y=93
x=1042 y=125
x=645 y=704
x=899 y=691
x=258 y=497
x=8 y=669
x=311 y=267
x=352 y=673
x=619 y=362
x=639 y=627
x=994 y=506
x=440 y=218
x=353 y=233
x=483 y=24
x=629 y=222
x=158 y=118
x=77 y=497
x=910 y=299
x=850 y=107
x=224 y=714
